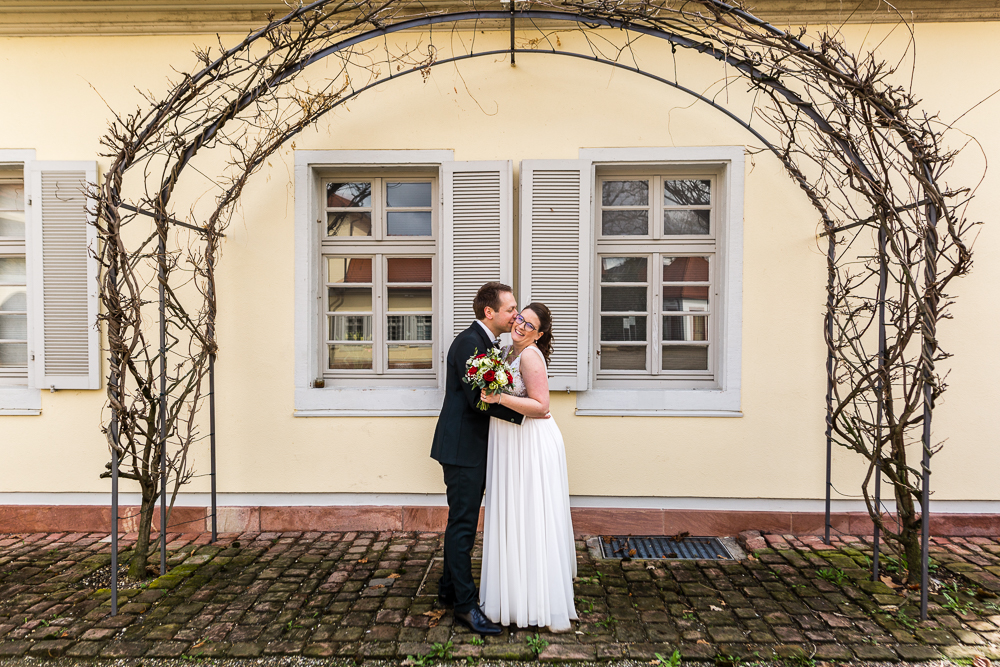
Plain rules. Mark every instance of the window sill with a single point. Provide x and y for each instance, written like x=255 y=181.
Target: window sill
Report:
x=368 y=402
x=20 y=401
x=659 y=403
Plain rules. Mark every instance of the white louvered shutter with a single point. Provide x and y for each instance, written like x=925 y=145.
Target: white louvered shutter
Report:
x=66 y=353
x=477 y=237
x=555 y=261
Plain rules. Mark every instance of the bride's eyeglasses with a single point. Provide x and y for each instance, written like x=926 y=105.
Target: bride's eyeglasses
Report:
x=525 y=323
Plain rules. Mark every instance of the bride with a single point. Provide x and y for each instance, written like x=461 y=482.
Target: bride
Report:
x=529 y=556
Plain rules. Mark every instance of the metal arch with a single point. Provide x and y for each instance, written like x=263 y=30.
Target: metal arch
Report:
x=597 y=59
x=747 y=69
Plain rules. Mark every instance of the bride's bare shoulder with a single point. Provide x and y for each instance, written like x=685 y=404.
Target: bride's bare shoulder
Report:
x=532 y=360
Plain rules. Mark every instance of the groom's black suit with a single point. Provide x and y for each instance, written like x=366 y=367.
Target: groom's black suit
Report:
x=460 y=443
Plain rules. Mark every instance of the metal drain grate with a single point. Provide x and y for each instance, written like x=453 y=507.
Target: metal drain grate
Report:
x=654 y=547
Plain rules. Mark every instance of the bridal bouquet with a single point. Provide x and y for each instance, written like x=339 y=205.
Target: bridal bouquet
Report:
x=489 y=372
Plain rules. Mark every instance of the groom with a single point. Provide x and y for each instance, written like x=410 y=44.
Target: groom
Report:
x=460 y=443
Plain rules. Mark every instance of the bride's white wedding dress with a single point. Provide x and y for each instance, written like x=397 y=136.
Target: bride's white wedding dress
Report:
x=529 y=556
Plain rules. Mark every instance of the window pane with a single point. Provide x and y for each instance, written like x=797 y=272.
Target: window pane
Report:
x=348 y=224
x=623 y=298
x=12 y=196
x=410 y=356
x=685 y=269
x=12 y=270
x=625 y=193
x=623 y=327
x=11 y=225
x=408 y=195
x=687 y=193
x=13 y=355
x=348 y=195
x=624 y=223
x=350 y=357
x=676 y=222
x=408 y=223
x=13 y=298
x=351 y=300
x=410 y=298
x=685 y=357
x=623 y=269
x=623 y=358
x=13 y=327
x=409 y=270
x=691 y=299
x=350 y=327
x=685 y=328
x=349 y=269
x=410 y=327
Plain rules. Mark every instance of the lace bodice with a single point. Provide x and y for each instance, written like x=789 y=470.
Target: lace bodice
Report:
x=517 y=387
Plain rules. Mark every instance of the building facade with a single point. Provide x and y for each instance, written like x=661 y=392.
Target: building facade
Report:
x=682 y=264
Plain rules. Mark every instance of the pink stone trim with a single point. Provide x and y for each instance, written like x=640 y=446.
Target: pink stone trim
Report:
x=586 y=521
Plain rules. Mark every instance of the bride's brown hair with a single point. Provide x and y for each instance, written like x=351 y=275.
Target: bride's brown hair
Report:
x=544 y=315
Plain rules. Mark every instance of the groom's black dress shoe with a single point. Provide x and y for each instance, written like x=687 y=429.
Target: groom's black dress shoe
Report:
x=476 y=620
x=446 y=600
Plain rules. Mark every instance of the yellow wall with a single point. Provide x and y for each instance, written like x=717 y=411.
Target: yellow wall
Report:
x=57 y=97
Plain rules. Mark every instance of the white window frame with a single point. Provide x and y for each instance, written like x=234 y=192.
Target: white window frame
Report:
x=685 y=397
x=22 y=397
x=355 y=397
x=380 y=248
x=654 y=246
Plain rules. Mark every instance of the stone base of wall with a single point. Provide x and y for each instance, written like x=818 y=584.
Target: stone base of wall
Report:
x=586 y=520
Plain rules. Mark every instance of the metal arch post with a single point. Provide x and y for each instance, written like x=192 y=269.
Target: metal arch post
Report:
x=883 y=276
x=211 y=394
x=512 y=47
x=114 y=479
x=831 y=255
x=161 y=274
x=930 y=244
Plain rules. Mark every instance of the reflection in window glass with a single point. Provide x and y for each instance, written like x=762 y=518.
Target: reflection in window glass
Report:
x=350 y=300
x=409 y=298
x=623 y=358
x=344 y=223
x=685 y=358
x=350 y=327
x=349 y=269
x=623 y=299
x=409 y=269
x=619 y=328
x=414 y=357
x=687 y=193
x=408 y=223
x=624 y=223
x=685 y=269
x=410 y=327
x=623 y=269
x=677 y=222
x=349 y=195
x=11 y=210
x=625 y=193
x=408 y=195
x=351 y=357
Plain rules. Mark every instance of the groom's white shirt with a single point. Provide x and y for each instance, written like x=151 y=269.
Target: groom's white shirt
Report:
x=489 y=334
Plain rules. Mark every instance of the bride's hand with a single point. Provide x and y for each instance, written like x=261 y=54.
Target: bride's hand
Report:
x=489 y=398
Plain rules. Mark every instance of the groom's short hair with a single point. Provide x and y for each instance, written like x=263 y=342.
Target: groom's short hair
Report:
x=489 y=296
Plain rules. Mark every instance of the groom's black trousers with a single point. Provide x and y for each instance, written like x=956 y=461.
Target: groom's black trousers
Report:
x=466 y=486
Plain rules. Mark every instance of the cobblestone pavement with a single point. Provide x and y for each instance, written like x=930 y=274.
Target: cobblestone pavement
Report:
x=367 y=595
